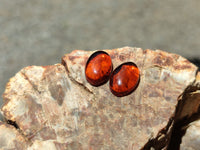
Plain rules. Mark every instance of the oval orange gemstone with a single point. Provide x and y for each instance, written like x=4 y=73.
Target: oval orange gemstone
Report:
x=124 y=79
x=98 y=68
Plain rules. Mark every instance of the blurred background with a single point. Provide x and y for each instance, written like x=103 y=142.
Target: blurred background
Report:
x=40 y=32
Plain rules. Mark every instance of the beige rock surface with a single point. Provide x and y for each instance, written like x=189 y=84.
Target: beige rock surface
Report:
x=54 y=106
x=191 y=140
x=11 y=138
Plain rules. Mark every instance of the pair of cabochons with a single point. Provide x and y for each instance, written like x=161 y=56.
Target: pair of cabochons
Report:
x=123 y=80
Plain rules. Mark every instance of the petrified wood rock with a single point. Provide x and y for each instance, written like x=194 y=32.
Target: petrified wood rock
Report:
x=54 y=107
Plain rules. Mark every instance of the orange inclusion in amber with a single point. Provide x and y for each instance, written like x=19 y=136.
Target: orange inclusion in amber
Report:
x=124 y=79
x=98 y=68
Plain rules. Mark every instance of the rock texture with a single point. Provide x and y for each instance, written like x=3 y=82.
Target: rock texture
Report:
x=11 y=138
x=53 y=107
x=191 y=140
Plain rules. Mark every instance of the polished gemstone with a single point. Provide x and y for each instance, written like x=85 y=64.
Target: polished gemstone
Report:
x=124 y=79
x=98 y=68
